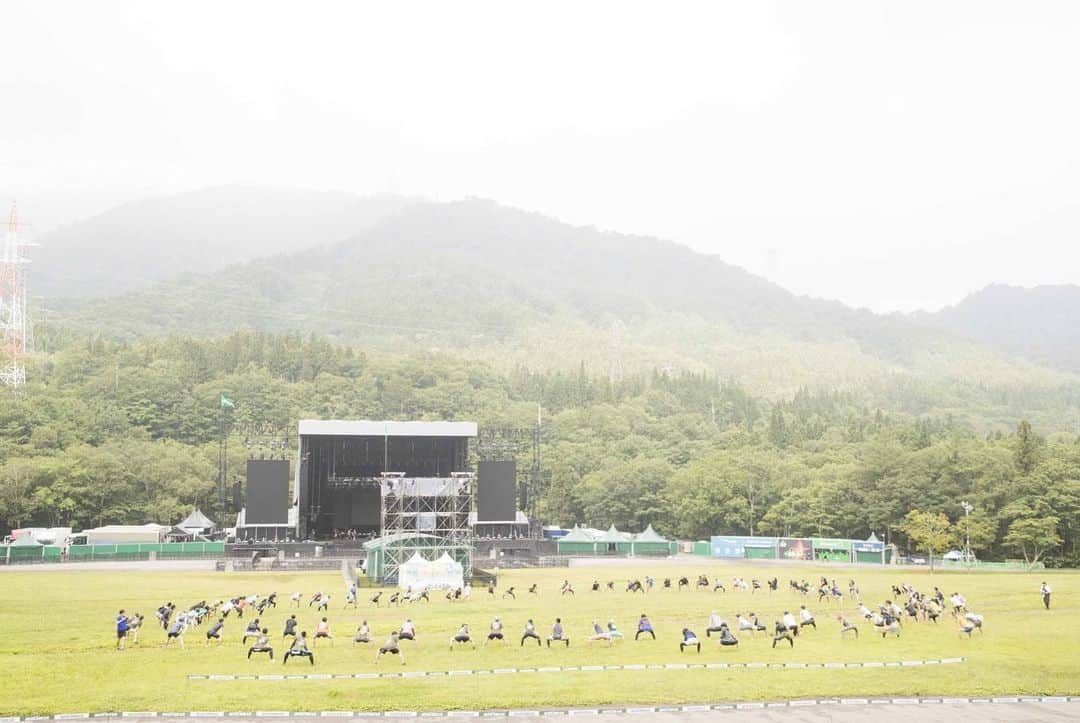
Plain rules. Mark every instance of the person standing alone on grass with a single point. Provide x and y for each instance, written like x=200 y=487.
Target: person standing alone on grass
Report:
x=1045 y=591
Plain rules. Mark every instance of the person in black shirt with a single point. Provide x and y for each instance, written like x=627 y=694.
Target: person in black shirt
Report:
x=290 y=628
x=214 y=633
x=251 y=631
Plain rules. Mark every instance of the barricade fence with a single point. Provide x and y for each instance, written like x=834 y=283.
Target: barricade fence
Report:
x=122 y=551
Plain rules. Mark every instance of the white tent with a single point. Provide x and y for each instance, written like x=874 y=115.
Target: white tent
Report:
x=420 y=574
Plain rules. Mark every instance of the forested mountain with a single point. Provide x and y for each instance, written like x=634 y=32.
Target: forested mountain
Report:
x=479 y=278
x=1041 y=324
x=138 y=243
x=678 y=390
x=111 y=432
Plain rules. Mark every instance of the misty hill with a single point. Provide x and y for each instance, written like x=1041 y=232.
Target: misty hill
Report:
x=1041 y=324
x=138 y=243
x=517 y=287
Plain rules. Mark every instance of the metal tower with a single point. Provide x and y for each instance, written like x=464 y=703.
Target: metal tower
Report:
x=14 y=334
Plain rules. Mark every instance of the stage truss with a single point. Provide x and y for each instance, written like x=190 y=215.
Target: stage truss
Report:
x=436 y=507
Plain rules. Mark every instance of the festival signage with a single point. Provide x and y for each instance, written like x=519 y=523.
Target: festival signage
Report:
x=735 y=545
x=796 y=549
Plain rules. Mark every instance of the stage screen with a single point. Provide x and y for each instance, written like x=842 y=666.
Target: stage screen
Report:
x=495 y=487
x=267 y=492
x=366 y=507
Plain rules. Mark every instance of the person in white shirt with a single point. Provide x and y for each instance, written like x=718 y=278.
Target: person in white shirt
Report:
x=715 y=623
x=530 y=632
x=496 y=632
x=1045 y=591
x=807 y=618
x=408 y=630
x=295 y=598
x=790 y=623
x=363 y=633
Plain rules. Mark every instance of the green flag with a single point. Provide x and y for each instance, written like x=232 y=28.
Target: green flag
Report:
x=227 y=403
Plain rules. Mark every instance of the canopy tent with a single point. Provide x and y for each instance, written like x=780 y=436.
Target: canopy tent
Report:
x=650 y=542
x=197 y=521
x=576 y=541
x=419 y=574
x=613 y=541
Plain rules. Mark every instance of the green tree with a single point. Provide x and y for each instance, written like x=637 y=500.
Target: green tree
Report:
x=1032 y=537
x=1027 y=447
x=929 y=531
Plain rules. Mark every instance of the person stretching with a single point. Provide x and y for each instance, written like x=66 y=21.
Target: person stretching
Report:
x=689 y=640
x=727 y=638
x=613 y=632
x=807 y=618
x=790 y=623
x=599 y=634
x=322 y=630
x=390 y=647
x=845 y=626
x=299 y=649
x=214 y=633
x=530 y=632
x=251 y=631
x=262 y=645
x=290 y=628
x=644 y=626
x=783 y=632
x=462 y=637
x=363 y=634
x=716 y=623
x=558 y=634
x=496 y=632
x=408 y=630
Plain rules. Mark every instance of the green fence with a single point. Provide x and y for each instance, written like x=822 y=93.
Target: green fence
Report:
x=121 y=551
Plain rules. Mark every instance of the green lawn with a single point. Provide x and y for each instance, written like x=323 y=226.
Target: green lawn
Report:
x=56 y=643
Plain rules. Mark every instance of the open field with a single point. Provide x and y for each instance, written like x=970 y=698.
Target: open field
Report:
x=57 y=654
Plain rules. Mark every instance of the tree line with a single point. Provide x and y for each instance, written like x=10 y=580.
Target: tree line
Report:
x=126 y=432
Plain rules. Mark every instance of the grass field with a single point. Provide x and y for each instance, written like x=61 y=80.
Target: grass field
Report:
x=56 y=643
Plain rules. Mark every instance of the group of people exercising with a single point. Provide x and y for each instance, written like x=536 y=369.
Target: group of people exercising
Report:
x=887 y=619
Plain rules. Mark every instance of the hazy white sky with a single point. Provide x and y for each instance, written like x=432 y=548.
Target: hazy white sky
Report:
x=895 y=155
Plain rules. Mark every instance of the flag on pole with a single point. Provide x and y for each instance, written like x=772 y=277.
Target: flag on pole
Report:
x=227 y=403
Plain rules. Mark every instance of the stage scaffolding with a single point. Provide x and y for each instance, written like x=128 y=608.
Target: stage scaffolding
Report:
x=426 y=515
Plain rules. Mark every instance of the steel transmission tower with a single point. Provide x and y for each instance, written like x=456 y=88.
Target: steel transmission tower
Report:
x=14 y=336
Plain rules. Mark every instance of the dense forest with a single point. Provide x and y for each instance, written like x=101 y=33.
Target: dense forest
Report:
x=111 y=431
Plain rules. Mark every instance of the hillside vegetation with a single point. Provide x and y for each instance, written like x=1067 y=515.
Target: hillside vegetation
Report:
x=113 y=432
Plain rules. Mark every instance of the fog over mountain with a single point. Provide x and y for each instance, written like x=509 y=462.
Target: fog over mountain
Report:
x=475 y=275
x=140 y=242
